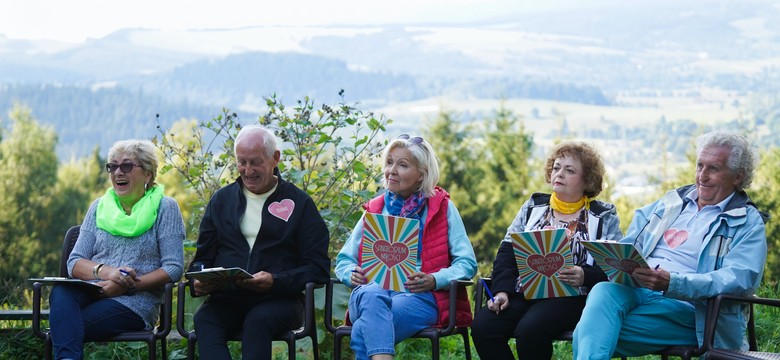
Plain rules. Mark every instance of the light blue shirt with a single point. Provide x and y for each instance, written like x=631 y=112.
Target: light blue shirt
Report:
x=692 y=225
x=464 y=262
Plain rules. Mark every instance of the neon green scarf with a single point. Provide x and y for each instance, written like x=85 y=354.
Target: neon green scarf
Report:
x=113 y=219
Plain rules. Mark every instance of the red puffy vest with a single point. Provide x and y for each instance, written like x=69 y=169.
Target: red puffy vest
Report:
x=435 y=254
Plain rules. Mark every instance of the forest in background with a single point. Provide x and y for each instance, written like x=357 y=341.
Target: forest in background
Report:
x=488 y=165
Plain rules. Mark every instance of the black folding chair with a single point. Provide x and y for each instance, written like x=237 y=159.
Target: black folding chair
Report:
x=150 y=337
x=712 y=323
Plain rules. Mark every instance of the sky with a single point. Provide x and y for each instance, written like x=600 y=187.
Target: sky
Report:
x=78 y=20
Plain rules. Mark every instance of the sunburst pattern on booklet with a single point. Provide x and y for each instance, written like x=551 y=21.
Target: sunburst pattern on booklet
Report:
x=540 y=255
x=389 y=249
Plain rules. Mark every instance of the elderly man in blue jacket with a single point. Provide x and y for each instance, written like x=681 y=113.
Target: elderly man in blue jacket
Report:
x=273 y=230
x=700 y=240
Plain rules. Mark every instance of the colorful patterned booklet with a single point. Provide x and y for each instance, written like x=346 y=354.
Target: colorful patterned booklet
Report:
x=389 y=249
x=219 y=275
x=618 y=260
x=54 y=280
x=539 y=255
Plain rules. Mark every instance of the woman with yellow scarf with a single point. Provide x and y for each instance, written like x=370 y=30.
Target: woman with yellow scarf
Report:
x=575 y=172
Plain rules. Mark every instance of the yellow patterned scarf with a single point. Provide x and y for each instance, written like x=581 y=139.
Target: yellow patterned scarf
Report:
x=567 y=207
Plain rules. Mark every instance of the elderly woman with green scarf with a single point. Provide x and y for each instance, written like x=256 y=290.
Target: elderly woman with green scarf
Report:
x=131 y=244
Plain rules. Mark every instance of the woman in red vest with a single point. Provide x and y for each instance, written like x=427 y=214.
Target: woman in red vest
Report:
x=444 y=253
x=575 y=173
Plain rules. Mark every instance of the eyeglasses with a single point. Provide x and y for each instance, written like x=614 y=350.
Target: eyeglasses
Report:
x=413 y=140
x=126 y=167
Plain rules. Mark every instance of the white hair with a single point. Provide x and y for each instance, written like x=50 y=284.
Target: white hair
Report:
x=269 y=138
x=741 y=157
x=423 y=157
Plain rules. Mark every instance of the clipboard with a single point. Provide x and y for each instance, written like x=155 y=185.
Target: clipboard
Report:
x=219 y=275
x=618 y=260
x=57 y=280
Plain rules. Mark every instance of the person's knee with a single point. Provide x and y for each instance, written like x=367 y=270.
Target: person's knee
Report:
x=602 y=292
x=369 y=296
x=601 y=288
x=526 y=334
x=60 y=293
x=271 y=319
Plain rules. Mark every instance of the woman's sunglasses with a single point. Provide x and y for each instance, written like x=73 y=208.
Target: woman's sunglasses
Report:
x=413 y=140
x=126 y=167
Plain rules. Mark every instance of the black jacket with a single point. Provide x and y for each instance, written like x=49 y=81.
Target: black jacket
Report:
x=294 y=251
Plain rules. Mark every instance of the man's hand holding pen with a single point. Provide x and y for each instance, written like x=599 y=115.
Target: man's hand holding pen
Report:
x=653 y=279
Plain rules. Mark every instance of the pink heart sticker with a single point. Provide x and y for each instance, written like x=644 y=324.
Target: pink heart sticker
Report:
x=625 y=265
x=674 y=237
x=390 y=254
x=282 y=209
x=546 y=265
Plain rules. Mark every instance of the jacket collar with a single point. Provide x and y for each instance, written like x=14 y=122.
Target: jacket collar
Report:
x=736 y=207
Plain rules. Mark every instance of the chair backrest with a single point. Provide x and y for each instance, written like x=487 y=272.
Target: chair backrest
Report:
x=67 y=246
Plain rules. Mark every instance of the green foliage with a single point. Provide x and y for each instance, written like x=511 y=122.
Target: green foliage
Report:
x=767 y=319
x=485 y=168
x=202 y=157
x=506 y=173
x=20 y=344
x=28 y=175
x=329 y=152
x=332 y=156
x=768 y=199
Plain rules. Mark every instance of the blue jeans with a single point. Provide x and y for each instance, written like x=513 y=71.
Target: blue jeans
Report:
x=373 y=310
x=620 y=320
x=76 y=316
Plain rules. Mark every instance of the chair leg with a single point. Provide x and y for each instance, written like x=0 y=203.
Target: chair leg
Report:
x=48 y=347
x=164 y=348
x=291 y=348
x=152 y=349
x=337 y=347
x=190 y=348
x=435 y=349
x=466 y=344
x=314 y=346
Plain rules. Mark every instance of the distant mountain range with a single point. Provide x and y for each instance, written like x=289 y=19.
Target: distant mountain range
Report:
x=591 y=55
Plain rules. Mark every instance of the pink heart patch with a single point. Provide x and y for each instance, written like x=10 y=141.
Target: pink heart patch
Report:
x=625 y=265
x=391 y=254
x=282 y=209
x=675 y=238
x=546 y=265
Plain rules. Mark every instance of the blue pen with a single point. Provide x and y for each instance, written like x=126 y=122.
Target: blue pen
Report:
x=656 y=267
x=488 y=290
x=125 y=273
